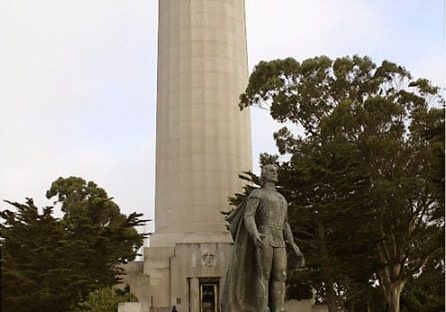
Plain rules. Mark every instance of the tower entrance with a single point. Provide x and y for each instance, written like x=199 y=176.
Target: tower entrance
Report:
x=209 y=294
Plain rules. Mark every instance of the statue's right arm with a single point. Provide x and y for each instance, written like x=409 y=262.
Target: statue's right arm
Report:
x=250 y=213
x=250 y=223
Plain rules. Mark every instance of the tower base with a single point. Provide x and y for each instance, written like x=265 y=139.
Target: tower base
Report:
x=188 y=275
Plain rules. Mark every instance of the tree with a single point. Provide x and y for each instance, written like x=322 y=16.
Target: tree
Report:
x=425 y=293
x=33 y=271
x=49 y=263
x=370 y=150
x=98 y=235
x=326 y=193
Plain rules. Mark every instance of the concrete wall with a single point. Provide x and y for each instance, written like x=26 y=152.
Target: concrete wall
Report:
x=192 y=263
x=139 y=283
x=299 y=306
x=203 y=140
x=319 y=308
x=130 y=307
x=174 y=275
x=157 y=266
x=304 y=306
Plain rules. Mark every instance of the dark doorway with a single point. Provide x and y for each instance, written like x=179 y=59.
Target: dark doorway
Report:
x=208 y=296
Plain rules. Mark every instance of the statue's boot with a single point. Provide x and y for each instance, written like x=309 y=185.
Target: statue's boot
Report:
x=278 y=296
x=263 y=299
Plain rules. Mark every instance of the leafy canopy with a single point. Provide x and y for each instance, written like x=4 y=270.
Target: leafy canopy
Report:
x=364 y=176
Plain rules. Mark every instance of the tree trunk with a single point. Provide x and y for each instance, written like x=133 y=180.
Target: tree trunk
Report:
x=331 y=298
x=351 y=306
x=393 y=296
x=328 y=281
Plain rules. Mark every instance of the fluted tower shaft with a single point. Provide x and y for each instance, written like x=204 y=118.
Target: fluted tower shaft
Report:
x=203 y=139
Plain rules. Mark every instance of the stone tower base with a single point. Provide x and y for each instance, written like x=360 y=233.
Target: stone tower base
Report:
x=188 y=275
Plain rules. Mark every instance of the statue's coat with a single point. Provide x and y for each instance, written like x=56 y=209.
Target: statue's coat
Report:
x=239 y=293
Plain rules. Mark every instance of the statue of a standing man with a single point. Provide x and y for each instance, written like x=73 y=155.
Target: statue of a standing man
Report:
x=255 y=280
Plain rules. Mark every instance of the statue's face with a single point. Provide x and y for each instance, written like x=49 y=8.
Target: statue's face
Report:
x=269 y=173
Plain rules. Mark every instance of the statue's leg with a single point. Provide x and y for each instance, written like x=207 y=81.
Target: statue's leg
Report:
x=265 y=259
x=278 y=280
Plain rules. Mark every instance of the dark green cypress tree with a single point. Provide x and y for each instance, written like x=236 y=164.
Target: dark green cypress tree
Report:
x=49 y=264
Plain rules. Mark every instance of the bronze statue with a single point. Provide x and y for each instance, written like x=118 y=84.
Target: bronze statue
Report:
x=255 y=279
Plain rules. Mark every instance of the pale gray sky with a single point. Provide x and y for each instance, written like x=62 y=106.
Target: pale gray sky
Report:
x=78 y=79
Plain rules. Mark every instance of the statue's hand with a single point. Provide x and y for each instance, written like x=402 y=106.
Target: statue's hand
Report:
x=300 y=256
x=301 y=261
x=258 y=242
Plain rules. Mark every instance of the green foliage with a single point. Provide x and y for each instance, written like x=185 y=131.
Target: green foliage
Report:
x=104 y=300
x=98 y=234
x=426 y=292
x=252 y=180
x=33 y=270
x=365 y=179
x=48 y=264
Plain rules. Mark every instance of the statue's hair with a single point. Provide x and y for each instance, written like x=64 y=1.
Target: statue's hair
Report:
x=262 y=173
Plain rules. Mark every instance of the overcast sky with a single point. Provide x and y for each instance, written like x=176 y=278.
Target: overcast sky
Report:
x=78 y=79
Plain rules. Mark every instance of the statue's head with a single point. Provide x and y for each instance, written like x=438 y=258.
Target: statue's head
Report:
x=269 y=174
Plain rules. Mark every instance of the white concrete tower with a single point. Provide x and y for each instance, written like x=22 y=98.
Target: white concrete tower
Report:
x=203 y=143
x=203 y=140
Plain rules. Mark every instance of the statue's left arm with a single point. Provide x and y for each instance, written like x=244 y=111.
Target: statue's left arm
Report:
x=289 y=238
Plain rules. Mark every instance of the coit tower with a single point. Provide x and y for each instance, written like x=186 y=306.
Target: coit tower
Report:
x=202 y=144
x=202 y=139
